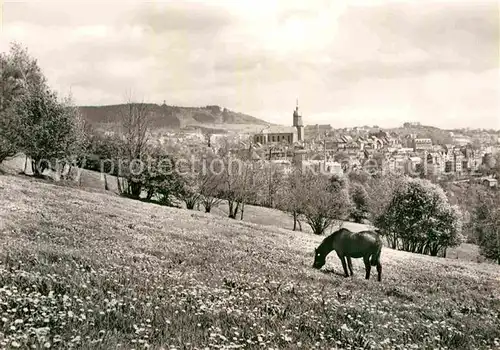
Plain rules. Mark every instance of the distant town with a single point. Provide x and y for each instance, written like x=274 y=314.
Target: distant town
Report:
x=429 y=152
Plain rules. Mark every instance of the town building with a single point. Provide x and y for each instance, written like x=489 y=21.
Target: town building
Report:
x=421 y=144
x=298 y=123
x=282 y=134
x=318 y=130
x=461 y=140
x=276 y=134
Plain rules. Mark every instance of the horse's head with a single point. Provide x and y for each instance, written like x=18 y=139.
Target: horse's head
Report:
x=319 y=259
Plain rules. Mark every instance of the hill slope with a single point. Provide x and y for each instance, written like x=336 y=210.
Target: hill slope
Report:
x=96 y=271
x=163 y=116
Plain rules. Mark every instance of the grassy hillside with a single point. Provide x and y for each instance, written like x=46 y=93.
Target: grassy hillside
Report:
x=90 y=270
x=93 y=181
x=163 y=116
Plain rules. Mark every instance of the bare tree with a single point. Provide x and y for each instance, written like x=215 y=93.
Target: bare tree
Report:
x=271 y=180
x=318 y=198
x=135 y=131
x=289 y=199
x=136 y=122
x=210 y=185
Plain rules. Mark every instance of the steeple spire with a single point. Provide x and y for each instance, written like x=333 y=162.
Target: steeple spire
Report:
x=297 y=122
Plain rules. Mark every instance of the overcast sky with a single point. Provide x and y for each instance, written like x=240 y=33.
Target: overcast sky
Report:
x=349 y=63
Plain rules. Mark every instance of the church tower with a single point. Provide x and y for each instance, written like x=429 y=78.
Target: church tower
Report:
x=297 y=123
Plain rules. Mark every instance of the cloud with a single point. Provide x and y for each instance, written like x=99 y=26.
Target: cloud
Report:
x=347 y=62
x=188 y=17
x=461 y=33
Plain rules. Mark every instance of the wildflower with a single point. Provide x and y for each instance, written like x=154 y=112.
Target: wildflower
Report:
x=76 y=339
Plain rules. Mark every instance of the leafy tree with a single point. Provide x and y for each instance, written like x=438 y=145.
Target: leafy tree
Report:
x=495 y=170
x=8 y=91
x=360 y=176
x=33 y=120
x=421 y=219
x=103 y=152
x=359 y=198
x=160 y=178
x=380 y=190
x=18 y=71
x=485 y=224
x=47 y=129
x=338 y=183
x=489 y=161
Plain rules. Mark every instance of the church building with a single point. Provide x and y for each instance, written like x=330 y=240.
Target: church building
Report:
x=279 y=134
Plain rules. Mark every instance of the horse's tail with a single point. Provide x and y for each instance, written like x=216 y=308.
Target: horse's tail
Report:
x=375 y=258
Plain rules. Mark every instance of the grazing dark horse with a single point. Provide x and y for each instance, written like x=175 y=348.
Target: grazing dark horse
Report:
x=347 y=245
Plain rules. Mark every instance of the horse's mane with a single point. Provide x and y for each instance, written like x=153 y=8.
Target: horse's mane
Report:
x=331 y=237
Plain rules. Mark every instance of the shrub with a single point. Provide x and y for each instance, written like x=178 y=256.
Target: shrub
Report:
x=419 y=219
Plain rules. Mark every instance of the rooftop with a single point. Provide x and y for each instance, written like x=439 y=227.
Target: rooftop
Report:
x=278 y=129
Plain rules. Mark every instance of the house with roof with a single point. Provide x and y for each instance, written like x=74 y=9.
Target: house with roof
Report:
x=414 y=163
x=396 y=164
x=353 y=148
x=433 y=163
x=336 y=144
x=461 y=140
x=404 y=150
x=422 y=144
x=276 y=134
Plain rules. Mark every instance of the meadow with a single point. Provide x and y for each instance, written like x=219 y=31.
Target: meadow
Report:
x=86 y=269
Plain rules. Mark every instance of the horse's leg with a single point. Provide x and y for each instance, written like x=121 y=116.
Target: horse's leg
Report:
x=379 y=271
x=368 y=267
x=344 y=265
x=349 y=263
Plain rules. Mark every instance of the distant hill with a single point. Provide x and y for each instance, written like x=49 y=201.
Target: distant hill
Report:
x=174 y=117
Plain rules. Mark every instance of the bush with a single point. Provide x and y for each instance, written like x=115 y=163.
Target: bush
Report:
x=419 y=219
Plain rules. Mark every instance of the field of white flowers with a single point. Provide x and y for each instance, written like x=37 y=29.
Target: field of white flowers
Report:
x=90 y=270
